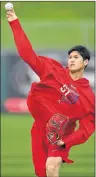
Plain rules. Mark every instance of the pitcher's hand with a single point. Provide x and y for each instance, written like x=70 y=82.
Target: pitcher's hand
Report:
x=10 y=13
x=60 y=143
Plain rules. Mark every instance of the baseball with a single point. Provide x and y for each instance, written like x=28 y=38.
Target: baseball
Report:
x=9 y=6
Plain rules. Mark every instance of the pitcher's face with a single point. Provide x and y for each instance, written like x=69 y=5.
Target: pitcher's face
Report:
x=76 y=62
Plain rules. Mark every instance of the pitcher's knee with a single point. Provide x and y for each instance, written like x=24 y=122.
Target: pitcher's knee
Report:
x=51 y=171
x=50 y=167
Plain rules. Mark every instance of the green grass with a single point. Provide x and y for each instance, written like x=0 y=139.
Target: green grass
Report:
x=52 y=10
x=58 y=25
x=16 y=150
x=60 y=35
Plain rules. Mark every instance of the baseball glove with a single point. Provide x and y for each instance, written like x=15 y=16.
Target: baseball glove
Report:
x=56 y=127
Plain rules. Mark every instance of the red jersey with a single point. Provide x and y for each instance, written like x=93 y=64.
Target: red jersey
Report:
x=56 y=92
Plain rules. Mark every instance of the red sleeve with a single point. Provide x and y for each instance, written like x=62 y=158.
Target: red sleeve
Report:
x=87 y=127
x=37 y=63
